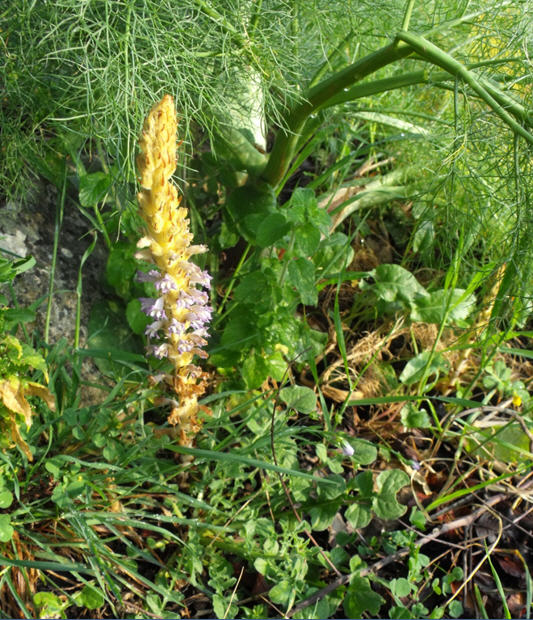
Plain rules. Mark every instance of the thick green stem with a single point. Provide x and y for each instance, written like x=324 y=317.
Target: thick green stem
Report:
x=334 y=90
x=287 y=138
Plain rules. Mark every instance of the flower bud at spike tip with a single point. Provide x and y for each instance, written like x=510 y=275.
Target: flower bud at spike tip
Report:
x=181 y=312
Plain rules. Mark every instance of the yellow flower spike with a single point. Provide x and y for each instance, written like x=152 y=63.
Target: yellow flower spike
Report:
x=181 y=312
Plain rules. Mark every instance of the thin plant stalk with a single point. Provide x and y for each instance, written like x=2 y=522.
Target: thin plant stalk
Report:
x=57 y=229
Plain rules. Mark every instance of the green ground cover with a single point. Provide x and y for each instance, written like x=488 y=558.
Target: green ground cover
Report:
x=360 y=173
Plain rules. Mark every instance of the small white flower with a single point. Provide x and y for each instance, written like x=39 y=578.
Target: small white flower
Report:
x=347 y=449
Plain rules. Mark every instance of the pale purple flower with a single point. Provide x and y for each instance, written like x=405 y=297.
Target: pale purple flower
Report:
x=175 y=327
x=160 y=351
x=152 y=330
x=165 y=284
x=147 y=276
x=153 y=307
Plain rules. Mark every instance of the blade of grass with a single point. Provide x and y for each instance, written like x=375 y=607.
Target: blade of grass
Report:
x=499 y=585
x=232 y=458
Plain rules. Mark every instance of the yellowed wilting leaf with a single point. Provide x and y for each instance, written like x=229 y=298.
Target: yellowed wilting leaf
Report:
x=12 y=395
x=17 y=439
x=36 y=389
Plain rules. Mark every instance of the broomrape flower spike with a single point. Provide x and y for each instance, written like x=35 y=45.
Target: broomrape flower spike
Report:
x=181 y=312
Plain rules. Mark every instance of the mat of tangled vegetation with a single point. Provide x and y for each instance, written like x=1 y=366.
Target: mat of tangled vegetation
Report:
x=339 y=424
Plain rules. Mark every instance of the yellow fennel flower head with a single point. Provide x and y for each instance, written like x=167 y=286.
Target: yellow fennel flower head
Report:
x=180 y=312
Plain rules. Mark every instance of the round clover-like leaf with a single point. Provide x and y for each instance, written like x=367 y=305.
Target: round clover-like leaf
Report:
x=385 y=503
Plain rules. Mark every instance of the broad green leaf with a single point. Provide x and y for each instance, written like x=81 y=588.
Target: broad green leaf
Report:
x=400 y=587
x=254 y=370
x=393 y=283
x=299 y=397
x=397 y=612
x=437 y=306
x=364 y=451
x=34 y=359
x=49 y=605
x=388 y=483
x=455 y=609
x=282 y=592
x=301 y=274
x=306 y=240
x=334 y=253
x=360 y=598
x=261 y=565
x=322 y=452
x=417 y=518
x=336 y=488
x=137 y=320
x=244 y=202
x=111 y=341
x=364 y=482
x=423 y=237
x=272 y=228
x=6 y=529
x=417 y=367
x=303 y=209
x=120 y=268
x=13 y=316
x=302 y=200
x=6 y=498
x=358 y=515
x=90 y=598
x=256 y=290
x=322 y=515
x=93 y=188
x=413 y=417
x=238 y=331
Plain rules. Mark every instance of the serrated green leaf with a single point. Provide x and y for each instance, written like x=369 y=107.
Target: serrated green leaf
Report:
x=393 y=283
x=301 y=274
x=33 y=359
x=299 y=397
x=360 y=597
x=358 y=515
x=13 y=316
x=306 y=240
x=385 y=503
x=443 y=305
x=272 y=228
